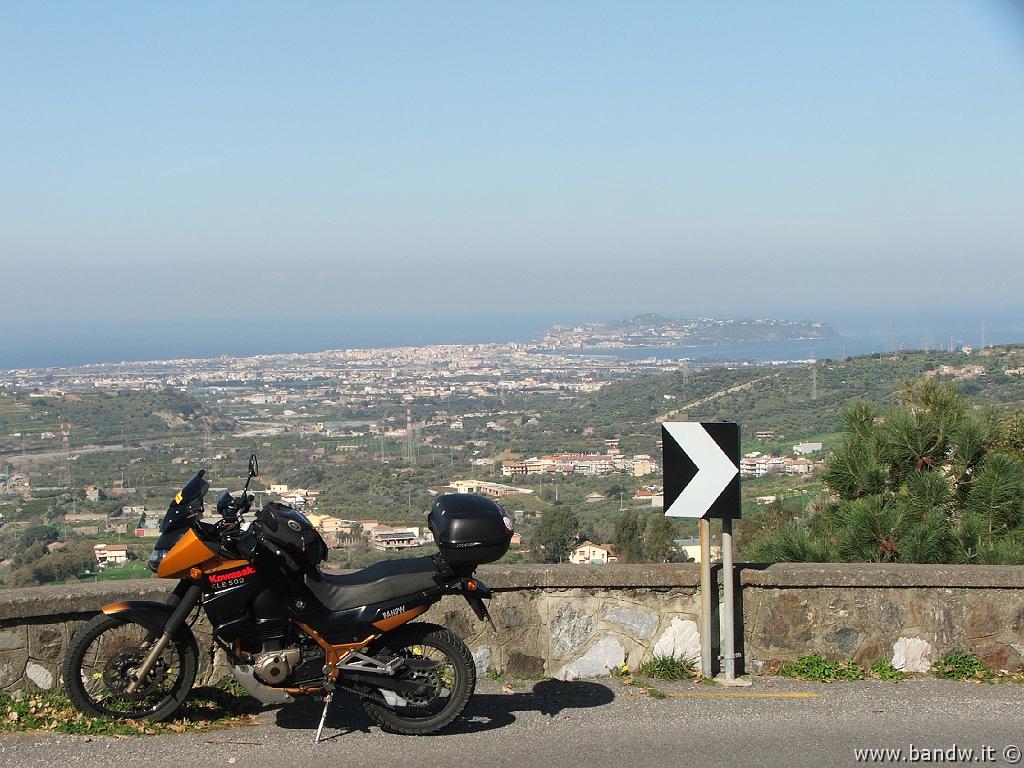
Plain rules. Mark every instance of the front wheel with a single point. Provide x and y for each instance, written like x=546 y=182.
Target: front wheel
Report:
x=442 y=663
x=105 y=652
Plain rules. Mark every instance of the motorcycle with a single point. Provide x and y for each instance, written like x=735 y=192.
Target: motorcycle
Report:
x=288 y=628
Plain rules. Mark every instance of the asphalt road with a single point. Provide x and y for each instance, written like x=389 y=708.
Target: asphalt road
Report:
x=551 y=724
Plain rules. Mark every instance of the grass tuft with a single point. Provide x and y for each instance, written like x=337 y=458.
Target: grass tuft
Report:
x=668 y=668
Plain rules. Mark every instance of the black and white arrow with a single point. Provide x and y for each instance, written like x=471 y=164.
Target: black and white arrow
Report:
x=715 y=470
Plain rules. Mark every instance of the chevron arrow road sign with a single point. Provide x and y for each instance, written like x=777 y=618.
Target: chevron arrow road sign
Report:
x=702 y=469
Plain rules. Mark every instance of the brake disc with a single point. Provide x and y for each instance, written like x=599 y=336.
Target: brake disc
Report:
x=117 y=674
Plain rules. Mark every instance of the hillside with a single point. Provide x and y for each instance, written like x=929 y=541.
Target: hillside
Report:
x=102 y=417
x=781 y=399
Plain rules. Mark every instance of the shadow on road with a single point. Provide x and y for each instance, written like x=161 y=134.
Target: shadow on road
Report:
x=485 y=711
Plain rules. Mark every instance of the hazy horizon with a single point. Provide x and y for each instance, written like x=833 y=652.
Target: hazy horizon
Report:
x=251 y=176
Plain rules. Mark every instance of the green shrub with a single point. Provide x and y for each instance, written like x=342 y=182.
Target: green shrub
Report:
x=668 y=668
x=884 y=670
x=960 y=665
x=817 y=667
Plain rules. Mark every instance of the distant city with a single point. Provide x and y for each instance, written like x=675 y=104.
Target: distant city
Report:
x=65 y=343
x=566 y=358
x=576 y=358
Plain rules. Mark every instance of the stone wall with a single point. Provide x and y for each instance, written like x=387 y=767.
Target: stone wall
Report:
x=579 y=621
x=574 y=621
x=912 y=615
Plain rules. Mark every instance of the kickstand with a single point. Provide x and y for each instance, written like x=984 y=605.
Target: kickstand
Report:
x=327 y=702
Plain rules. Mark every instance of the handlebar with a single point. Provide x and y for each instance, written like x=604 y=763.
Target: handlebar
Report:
x=231 y=507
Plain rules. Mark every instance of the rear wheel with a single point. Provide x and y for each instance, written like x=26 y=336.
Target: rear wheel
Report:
x=443 y=666
x=108 y=649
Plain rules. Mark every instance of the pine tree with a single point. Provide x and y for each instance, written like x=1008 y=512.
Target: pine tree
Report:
x=925 y=481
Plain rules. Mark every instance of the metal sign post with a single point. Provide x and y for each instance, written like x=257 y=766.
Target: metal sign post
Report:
x=706 y=667
x=729 y=636
x=702 y=467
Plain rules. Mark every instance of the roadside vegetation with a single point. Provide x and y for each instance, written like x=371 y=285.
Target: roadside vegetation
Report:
x=958 y=665
x=962 y=666
x=206 y=709
x=823 y=670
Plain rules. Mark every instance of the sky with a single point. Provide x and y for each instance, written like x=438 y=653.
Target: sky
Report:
x=235 y=177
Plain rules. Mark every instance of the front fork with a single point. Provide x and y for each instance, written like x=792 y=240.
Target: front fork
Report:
x=174 y=623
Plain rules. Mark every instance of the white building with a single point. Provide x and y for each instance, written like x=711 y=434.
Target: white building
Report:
x=691 y=548
x=385 y=539
x=802 y=449
x=110 y=554
x=498 y=490
x=589 y=553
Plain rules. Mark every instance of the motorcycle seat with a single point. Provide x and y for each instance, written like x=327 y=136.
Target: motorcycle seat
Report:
x=386 y=580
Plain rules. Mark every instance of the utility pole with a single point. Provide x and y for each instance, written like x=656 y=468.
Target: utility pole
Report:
x=65 y=480
x=409 y=451
x=814 y=381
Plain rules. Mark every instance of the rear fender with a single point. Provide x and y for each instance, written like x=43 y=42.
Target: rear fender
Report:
x=475 y=592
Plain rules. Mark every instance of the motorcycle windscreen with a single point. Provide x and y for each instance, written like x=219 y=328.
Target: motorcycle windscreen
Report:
x=186 y=505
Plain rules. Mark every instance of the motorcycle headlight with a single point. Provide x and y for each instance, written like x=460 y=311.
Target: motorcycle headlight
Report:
x=155 y=557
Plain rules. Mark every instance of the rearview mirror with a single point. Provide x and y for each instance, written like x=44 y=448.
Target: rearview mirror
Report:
x=254 y=466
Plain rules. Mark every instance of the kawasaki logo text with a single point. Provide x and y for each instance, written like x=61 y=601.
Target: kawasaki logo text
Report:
x=217 y=578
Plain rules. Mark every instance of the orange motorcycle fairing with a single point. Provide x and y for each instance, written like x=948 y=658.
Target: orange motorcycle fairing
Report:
x=190 y=552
